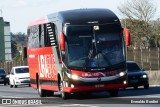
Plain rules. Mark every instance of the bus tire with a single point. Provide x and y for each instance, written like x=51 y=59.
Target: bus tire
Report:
x=113 y=93
x=49 y=93
x=64 y=95
x=41 y=92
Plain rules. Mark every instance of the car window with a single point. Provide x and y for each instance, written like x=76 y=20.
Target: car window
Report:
x=21 y=70
x=133 y=67
x=2 y=71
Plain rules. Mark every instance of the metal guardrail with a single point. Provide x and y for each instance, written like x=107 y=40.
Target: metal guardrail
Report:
x=8 y=65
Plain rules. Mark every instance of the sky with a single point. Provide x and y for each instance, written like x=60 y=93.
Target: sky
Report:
x=20 y=12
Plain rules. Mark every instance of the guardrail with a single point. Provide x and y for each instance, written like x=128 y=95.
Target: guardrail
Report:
x=8 y=65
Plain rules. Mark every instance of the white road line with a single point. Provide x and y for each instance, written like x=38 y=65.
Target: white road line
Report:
x=10 y=97
x=154 y=85
x=152 y=96
x=77 y=105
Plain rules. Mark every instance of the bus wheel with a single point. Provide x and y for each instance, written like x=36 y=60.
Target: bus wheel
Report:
x=64 y=95
x=113 y=93
x=41 y=92
x=49 y=93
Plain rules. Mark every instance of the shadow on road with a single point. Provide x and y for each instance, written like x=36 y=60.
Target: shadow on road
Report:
x=140 y=91
x=125 y=97
x=152 y=92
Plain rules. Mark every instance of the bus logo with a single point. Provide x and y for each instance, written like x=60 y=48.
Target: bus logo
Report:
x=47 y=66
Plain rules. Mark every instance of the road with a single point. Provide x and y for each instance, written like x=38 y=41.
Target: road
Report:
x=100 y=99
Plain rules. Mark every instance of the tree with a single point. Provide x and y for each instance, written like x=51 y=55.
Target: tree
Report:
x=14 y=50
x=138 y=10
x=139 y=14
x=156 y=31
x=18 y=40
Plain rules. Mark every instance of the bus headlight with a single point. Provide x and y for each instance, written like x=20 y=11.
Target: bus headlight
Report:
x=122 y=74
x=75 y=77
x=72 y=86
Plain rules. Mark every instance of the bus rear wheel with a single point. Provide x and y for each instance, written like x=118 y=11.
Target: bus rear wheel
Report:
x=41 y=92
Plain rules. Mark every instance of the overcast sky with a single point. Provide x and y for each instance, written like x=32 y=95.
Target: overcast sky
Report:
x=20 y=12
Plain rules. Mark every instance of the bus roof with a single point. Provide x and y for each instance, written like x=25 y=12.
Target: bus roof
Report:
x=85 y=16
x=80 y=17
x=37 y=22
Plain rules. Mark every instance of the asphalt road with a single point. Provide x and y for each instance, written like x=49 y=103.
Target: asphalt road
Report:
x=128 y=97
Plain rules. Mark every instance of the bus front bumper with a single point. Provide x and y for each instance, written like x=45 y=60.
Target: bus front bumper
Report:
x=93 y=88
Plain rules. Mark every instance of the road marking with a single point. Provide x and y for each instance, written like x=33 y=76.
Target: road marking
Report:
x=152 y=96
x=10 y=97
x=78 y=105
x=154 y=85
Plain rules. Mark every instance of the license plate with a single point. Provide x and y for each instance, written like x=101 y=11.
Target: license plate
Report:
x=133 y=81
x=99 y=85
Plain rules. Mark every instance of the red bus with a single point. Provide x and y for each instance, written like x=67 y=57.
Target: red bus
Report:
x=76 y=51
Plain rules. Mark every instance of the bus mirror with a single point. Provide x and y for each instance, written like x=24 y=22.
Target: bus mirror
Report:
x=62 y=41
x=127 y=36
x=24 y=52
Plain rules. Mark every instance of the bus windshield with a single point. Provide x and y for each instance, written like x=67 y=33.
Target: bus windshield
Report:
x=91 y=48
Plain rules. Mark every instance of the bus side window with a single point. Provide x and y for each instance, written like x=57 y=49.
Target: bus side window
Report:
x=29 y=36
x=41 y=33
x=33 y=37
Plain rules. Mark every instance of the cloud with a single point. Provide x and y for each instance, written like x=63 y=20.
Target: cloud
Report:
x=19 y=3
x=22 y=2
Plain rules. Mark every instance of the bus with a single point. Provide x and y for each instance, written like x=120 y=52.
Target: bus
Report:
x=77 y=51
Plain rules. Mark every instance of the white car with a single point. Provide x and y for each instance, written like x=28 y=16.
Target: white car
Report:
x=19 y=75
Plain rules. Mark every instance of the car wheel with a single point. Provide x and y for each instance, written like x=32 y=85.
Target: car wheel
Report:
x=5 y=83
x=29 y=85
x=146 y=86
x=11 y=86
x=135 y=87
x=15 y=86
